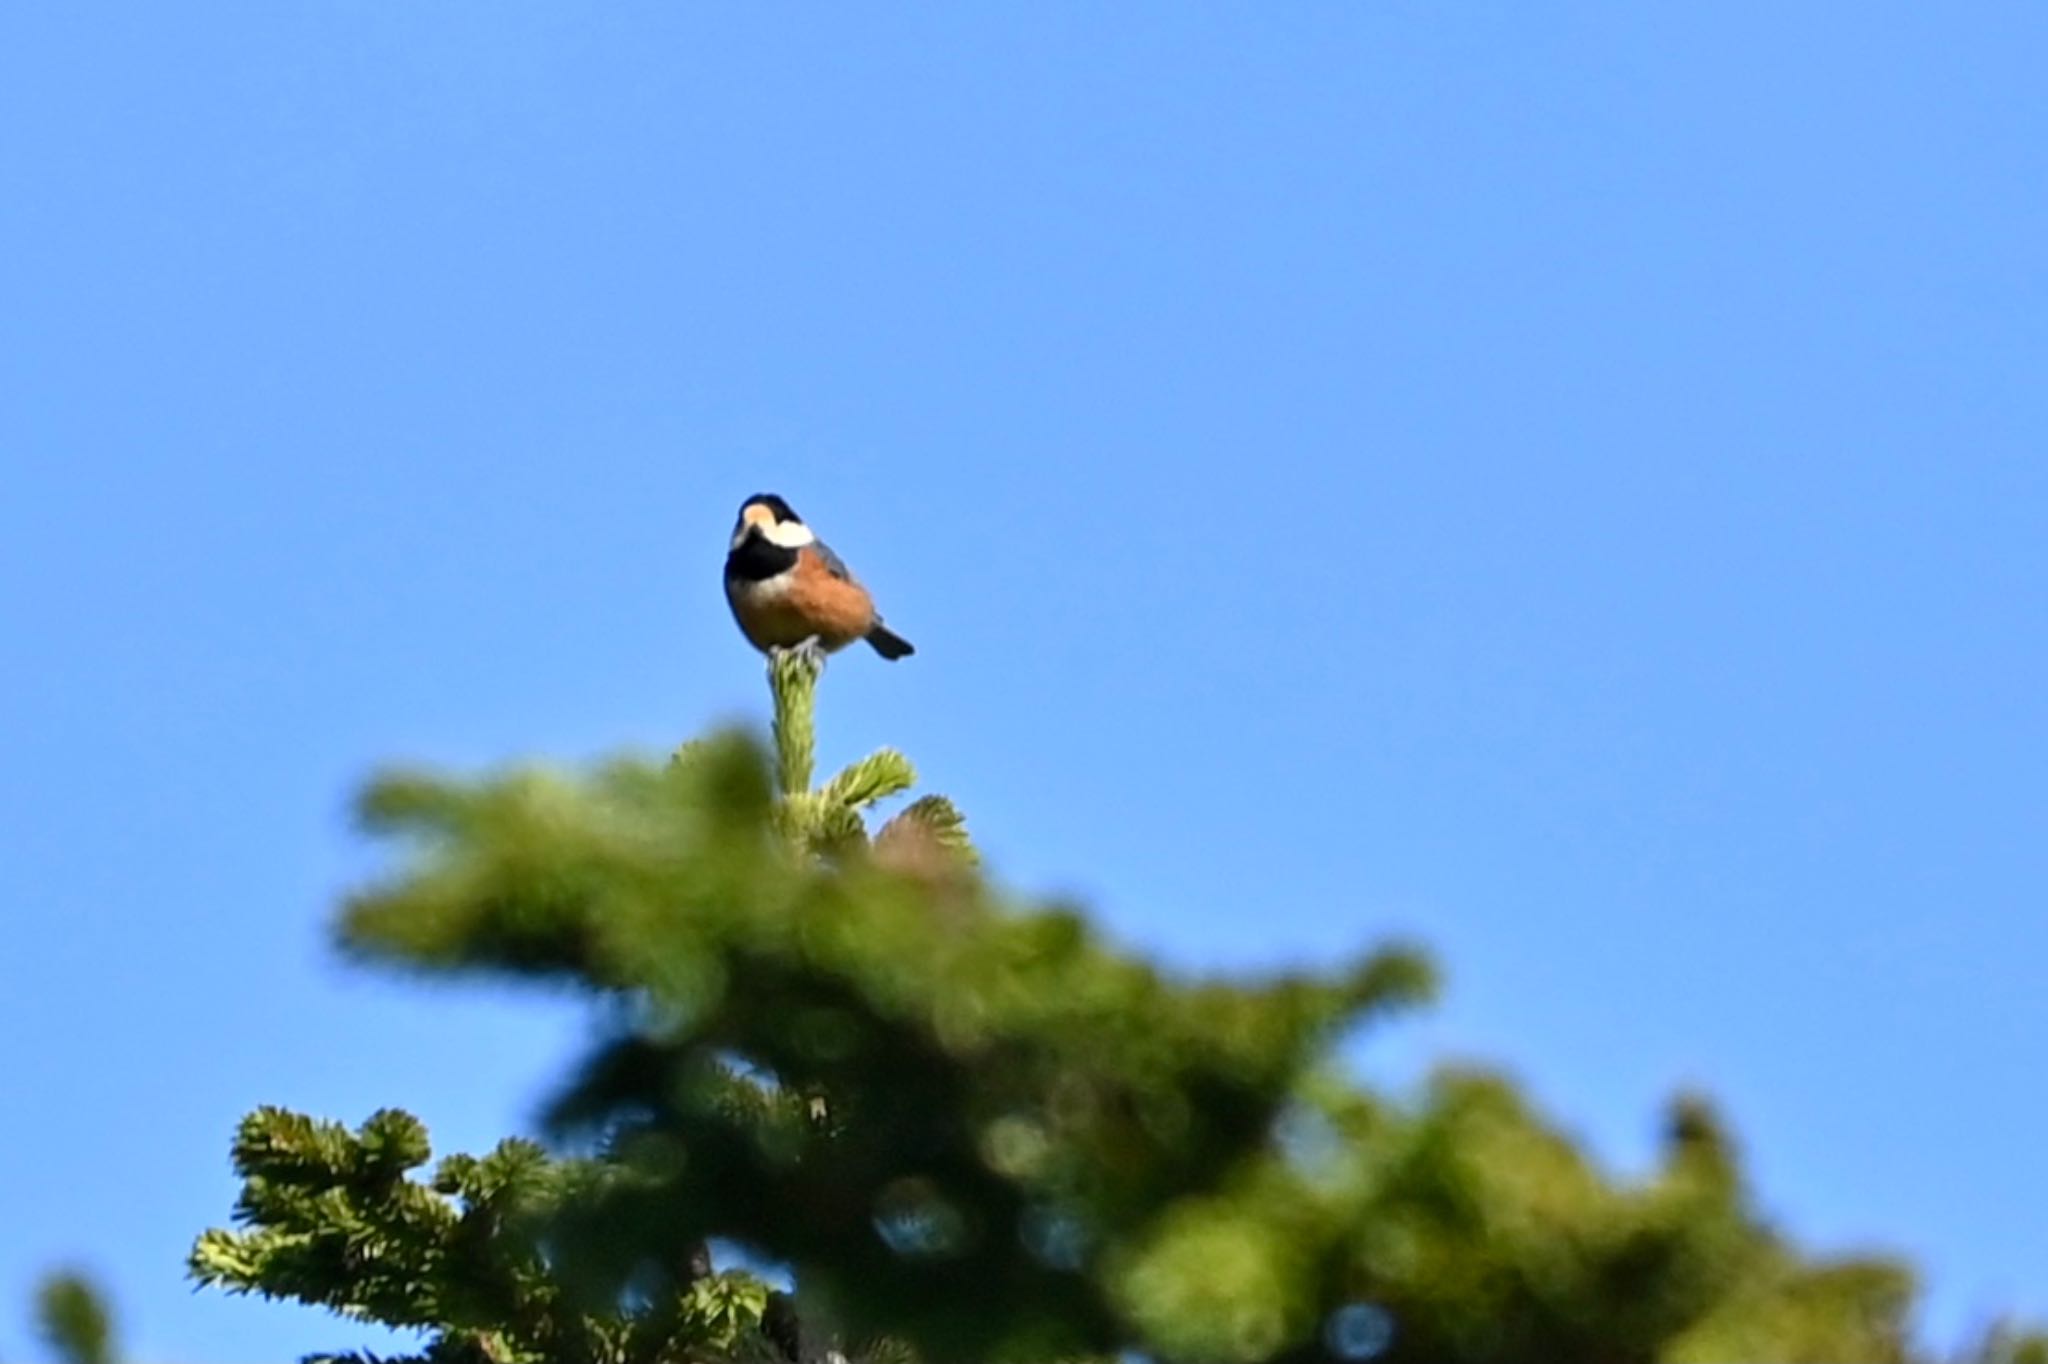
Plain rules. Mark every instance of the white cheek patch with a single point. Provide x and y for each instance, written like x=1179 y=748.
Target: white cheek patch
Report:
x=788 y=534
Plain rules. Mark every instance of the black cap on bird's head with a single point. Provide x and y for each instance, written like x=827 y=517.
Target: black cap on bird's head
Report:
x=773 y=505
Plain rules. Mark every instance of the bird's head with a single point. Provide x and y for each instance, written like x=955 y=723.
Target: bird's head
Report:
x=768 y=517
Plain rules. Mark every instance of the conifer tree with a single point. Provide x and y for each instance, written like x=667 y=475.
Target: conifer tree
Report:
x=968 y=1127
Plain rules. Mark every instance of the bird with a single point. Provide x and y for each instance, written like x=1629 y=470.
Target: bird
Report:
x=788 y=590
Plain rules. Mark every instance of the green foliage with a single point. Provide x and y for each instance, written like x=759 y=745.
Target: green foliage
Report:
x=334 y=1219
x=2007 y=1344
x=989 y=1072
x=73 y=1320
x=969 y=1125
x=793 y=678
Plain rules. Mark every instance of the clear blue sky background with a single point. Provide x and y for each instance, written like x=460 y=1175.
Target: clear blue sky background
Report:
x=1564 y=481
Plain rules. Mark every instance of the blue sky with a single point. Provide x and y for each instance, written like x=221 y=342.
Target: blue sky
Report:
x=1561 y=481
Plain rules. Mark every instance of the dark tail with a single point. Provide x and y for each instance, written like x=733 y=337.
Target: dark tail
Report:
x=888 y=643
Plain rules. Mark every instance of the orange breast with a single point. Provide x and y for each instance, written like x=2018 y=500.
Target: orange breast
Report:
x=810 y=603
x=836 y=609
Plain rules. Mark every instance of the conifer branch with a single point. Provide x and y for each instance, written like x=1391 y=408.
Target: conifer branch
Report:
x=330 y=1217
x=793 y=677
x=881 y=774
x=934 y=820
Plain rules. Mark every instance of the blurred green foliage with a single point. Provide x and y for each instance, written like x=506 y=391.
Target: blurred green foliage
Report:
x=966 y=1125
x=73 y=1320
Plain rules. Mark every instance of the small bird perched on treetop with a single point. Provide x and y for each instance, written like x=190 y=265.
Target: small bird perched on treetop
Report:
x=788 y=591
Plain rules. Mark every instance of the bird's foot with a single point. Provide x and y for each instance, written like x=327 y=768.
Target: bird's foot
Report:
x=810 y=654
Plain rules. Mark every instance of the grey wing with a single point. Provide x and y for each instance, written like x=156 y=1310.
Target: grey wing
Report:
x=834 y=565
